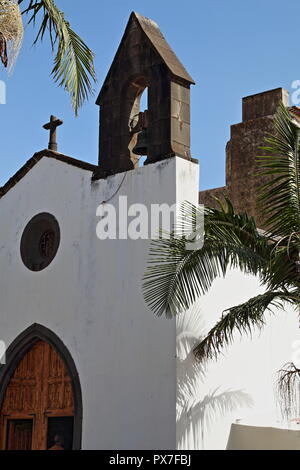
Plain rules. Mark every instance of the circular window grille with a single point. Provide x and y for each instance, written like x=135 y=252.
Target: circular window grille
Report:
x=40 y=242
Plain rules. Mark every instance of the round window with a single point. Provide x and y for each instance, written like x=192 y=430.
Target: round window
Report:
x=40 y=242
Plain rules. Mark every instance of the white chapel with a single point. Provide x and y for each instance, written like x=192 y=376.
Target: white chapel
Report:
x=87 y=364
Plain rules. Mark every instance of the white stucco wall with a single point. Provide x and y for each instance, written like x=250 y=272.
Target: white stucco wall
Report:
x=240 y=385
x=90 y=296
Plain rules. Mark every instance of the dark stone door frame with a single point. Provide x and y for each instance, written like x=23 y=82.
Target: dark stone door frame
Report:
x=21 y=345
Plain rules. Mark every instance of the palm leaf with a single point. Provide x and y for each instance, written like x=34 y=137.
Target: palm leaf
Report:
x=279 y=197
x=205 y=412
x=73 y=64
x=242 y=319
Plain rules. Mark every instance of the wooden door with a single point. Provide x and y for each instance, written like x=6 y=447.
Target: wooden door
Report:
x=40 y=388
x=19 y=434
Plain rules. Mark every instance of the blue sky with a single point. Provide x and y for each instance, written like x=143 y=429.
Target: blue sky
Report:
x=231 y=48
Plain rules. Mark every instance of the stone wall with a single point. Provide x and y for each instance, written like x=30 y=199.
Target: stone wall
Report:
x=246 y=138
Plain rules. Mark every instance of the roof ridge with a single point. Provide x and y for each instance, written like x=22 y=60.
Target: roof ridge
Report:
x=35 y=159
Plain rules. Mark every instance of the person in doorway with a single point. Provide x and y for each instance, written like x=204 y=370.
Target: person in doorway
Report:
x=58 y=443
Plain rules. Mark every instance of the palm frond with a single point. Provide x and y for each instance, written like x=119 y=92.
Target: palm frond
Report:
x=279 y=197
x=74 y=61
x=242 y=319
x=288 y=389
x=176 y=275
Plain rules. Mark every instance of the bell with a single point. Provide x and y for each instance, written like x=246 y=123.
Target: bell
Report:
x=140 y=147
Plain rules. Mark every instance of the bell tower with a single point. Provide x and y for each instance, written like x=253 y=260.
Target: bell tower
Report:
x=144 y=60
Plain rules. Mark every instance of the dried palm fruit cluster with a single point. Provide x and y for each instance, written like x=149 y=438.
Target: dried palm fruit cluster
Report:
x=11 y=32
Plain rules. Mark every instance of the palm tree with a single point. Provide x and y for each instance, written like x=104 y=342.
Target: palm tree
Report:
x=177 y=276
x=73 y=63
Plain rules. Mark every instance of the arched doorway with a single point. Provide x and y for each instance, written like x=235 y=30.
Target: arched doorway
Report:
x=40 y=397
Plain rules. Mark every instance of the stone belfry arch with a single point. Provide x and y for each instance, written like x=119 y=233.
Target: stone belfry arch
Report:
x=143 y=60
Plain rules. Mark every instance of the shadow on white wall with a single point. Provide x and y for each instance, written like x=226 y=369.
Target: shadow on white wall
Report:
x=197 y=410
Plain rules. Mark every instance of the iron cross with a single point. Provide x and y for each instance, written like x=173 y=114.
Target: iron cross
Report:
x=52 y=126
